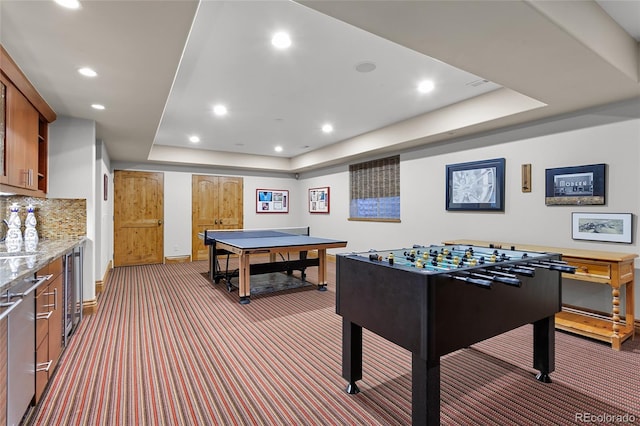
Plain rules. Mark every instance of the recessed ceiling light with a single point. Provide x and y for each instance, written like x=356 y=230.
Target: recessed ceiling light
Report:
x=365 y=67
x=194 y=139
x=327 y=128
x=281 y=40
x=87 y=72
x=426 y=86
x=97 y=106
x=220 y=110
x=278 y=148
x=69 y=4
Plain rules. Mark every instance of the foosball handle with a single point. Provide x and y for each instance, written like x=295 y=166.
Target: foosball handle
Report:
x=564 y=268
x=525 y=272
x=508 y=280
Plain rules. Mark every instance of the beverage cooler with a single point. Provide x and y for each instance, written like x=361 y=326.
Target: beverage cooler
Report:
x=73 y=261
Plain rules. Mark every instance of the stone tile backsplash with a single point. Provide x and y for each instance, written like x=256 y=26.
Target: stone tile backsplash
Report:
x=57 y=217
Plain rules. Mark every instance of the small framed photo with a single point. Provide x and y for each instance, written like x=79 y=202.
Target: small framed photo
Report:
x=580 y=185
x=609 y=227
x=319 y=200
x=478 y=185
x=272 y=201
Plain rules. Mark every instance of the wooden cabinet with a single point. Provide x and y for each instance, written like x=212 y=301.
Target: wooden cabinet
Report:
x=49 y=324
x=21 y=141
x=24 y=142
x=609 y=268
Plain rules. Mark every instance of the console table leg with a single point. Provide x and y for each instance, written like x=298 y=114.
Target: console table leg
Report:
x=615 y=339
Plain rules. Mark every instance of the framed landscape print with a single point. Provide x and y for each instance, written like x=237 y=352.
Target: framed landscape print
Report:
x=272 y=201
x=478 y=185
x=319 y=200
x=609 y=227
x=580 y=185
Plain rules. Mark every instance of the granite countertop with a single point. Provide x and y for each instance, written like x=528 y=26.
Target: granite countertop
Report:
x=16 y=266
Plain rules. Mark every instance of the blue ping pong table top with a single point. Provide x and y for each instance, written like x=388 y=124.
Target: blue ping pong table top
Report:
x=265 y=238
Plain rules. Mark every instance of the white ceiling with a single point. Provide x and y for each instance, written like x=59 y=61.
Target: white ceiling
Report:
x=162 y=65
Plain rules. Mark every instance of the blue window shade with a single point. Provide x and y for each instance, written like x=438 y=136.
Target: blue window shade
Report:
x=375 y=208
x=375 y=189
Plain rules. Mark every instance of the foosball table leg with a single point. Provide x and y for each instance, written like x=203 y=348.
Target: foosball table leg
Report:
x=544 y=342
x=351 y=355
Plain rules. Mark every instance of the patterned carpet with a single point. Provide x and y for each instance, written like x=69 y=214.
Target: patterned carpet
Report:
x=167 y=347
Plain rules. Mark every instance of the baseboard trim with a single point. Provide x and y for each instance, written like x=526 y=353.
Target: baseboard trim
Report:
x=100 y=284
x=178 y=259
x=89 y=306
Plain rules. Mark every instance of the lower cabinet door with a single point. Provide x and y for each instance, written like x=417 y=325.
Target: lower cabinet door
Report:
x=56 y=320
x=42 y=368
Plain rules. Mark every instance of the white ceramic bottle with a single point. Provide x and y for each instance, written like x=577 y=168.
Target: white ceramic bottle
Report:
x=14 y=234
x=30 y=232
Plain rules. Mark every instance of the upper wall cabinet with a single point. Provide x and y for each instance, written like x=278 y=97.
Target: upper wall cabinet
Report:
x=24 y=121
x=21 y=142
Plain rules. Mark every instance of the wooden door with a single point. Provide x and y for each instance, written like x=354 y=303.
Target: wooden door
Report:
x=138 y=218
x=217 y=204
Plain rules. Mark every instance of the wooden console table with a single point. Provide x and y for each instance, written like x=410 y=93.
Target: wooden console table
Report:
x=603 y=267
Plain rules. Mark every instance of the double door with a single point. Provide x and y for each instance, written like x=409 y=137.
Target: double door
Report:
x=217 y=203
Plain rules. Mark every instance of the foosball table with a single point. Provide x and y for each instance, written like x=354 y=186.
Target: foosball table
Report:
x=433 y=300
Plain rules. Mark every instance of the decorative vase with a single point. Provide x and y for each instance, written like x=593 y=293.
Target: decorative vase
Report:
x=30 y=232
x=14 y=234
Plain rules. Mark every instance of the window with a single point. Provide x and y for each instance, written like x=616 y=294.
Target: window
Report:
x=375 y=190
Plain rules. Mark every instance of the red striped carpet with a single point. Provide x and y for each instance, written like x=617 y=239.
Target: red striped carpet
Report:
x=166 y=347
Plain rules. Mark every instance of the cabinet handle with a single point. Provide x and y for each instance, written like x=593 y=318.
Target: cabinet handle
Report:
x=37 y=284
x=44 y=366
x=46 y=277
x=43 y=315
x=11 y=306
x=55 y=298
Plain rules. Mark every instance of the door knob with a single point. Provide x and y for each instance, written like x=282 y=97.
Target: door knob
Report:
x=159 y=222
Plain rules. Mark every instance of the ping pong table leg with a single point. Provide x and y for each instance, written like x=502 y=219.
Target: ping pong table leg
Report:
x=322 y=269
x=244 y=274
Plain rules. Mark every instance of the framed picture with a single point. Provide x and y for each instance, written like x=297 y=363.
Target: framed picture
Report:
x=272 y=201
x=609 y=227
x=580 y=185
x=319 y=200
x=478 y=185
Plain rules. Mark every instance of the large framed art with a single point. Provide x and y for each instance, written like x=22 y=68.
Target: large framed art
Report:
x=579 y=185
x=609 y=227
x=272 y=201
x=477 y=185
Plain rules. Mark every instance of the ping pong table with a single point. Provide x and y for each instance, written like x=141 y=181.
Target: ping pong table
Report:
x=245 y=243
